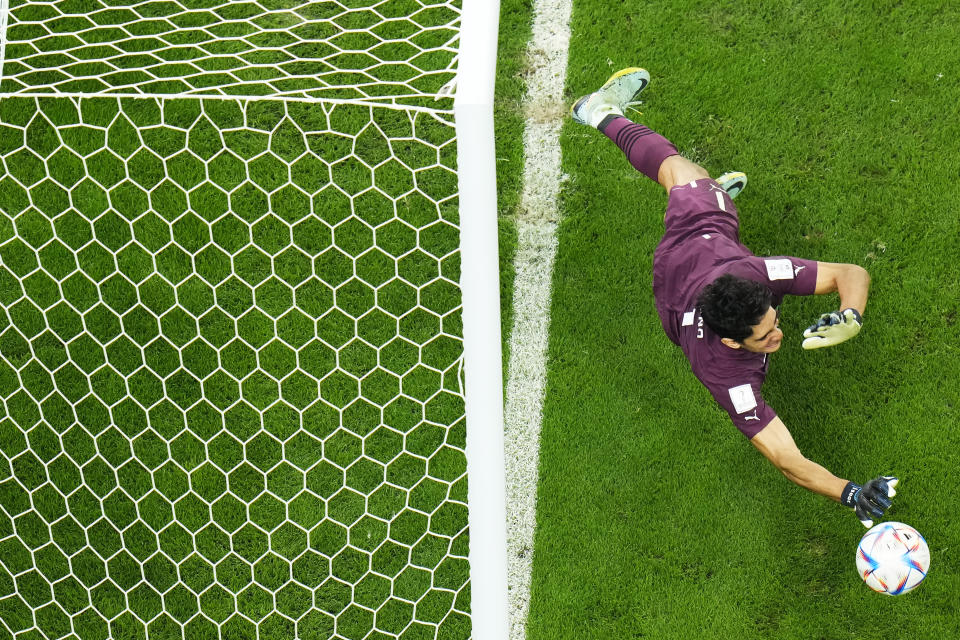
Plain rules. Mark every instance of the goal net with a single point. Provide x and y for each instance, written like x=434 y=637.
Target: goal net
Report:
x=231 y=343
x=385 y=50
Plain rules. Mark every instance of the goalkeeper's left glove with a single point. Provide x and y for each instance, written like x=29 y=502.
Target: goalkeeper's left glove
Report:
x=833 y=328
x=871 y=500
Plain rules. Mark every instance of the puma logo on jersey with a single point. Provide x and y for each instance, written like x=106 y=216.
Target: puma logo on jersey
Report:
x=753 y=417
x=797 y=268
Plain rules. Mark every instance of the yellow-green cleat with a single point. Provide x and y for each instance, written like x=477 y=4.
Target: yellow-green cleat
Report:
x=733 y=182
x=612 y=98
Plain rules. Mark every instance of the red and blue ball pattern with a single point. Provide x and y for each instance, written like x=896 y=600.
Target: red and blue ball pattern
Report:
x=893 y=558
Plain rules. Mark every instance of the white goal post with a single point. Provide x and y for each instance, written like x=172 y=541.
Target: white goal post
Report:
x=480 y=288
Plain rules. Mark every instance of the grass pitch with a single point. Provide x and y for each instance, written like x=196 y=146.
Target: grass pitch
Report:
x=656 y=518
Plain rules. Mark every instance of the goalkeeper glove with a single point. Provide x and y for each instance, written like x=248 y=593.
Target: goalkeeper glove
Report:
x=871 y=500
x=832 y=328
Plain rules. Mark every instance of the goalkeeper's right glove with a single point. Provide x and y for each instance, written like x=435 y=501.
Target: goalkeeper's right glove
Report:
x=871 y=500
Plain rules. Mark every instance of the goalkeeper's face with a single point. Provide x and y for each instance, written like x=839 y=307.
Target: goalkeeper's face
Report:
x=767 y=336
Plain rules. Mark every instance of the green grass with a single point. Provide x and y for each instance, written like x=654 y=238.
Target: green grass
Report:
x=655 y=517
x=217 y=380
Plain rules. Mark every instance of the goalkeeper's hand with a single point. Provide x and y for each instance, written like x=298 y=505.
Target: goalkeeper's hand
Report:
x=871 y=500
x=832 y=328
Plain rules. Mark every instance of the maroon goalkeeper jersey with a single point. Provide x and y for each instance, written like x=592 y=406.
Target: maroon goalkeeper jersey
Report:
x=702 y=243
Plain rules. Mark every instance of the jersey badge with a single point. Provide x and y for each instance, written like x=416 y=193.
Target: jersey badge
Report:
x=743 y=398
x=780 y=269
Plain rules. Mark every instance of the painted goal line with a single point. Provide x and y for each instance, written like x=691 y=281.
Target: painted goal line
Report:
x=536 y=250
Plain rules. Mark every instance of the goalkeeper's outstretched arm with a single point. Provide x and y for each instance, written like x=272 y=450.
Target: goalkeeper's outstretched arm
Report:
x=776 y=444
x=869 y=501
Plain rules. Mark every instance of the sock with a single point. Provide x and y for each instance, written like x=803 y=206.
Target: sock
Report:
x=645 y=149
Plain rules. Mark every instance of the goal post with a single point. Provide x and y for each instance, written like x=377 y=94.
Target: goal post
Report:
x=473 y=110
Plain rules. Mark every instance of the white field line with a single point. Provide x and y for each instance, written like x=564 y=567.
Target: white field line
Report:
x=536 y=250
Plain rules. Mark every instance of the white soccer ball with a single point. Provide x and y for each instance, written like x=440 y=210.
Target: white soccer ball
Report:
x=893 y=558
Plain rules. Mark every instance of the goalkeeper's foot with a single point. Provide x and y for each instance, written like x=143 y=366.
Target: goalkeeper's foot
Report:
x=733 y=182
x=612 y=98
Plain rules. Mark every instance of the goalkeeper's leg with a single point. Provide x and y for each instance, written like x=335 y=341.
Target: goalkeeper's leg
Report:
x=650 y=153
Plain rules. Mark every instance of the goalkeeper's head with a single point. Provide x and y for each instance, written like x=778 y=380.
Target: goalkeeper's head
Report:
x=738 y=310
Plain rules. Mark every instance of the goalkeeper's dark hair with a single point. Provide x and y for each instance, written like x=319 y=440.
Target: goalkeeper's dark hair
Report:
x=732 y=306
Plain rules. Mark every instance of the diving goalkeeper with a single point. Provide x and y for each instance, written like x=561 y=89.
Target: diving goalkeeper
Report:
x=719 y=303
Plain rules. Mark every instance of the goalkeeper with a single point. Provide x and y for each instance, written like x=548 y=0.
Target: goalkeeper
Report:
x=719 y=302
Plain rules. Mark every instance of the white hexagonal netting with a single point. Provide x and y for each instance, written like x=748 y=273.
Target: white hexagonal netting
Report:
x=230 y=332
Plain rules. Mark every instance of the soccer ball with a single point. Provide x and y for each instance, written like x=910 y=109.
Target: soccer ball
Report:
x=893 y=558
